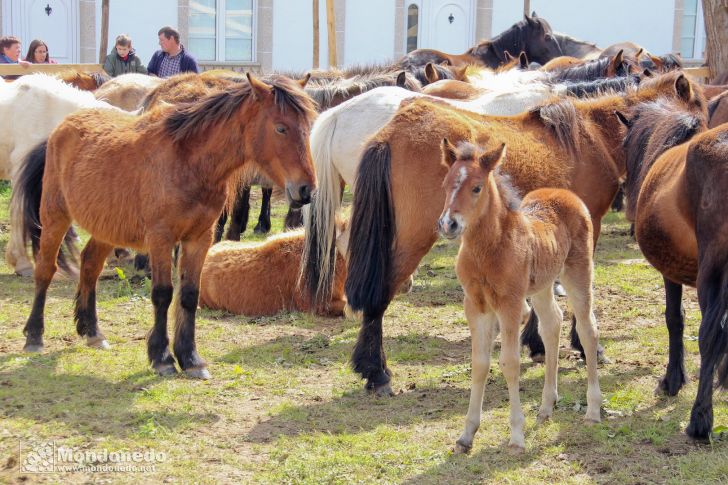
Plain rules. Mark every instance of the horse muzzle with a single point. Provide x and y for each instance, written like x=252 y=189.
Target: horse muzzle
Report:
x=449 y=227
x=298 y=195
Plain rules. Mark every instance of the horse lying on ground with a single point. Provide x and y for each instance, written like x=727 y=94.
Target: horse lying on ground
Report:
x=572 y=144
x=170 y=191
x=677 y=175
x=263 y=279
x=510 y=250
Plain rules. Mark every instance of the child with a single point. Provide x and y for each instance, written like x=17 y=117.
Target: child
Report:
x=123 y=60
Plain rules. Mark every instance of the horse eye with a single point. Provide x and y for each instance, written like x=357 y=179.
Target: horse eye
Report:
x=477 y=189
x=280 y=129
x=548 y=37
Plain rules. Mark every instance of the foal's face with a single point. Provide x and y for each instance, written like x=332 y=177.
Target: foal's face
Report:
x=466 y=184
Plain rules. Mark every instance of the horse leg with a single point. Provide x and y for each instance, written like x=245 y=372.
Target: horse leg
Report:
x=16 y=255
x=531 y=339
x=263 y=226
x=509 y=318
x=190 y=267
x=674 y=377
x=54 y=230
x=483 y=330
x=577 y=280
x=549 y=326
x=93 y=257
x=158 y=343
x=220 y=225
x=368 y=358
x=239 y=216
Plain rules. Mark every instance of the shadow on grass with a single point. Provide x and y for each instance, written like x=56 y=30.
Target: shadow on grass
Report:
x=39 y=392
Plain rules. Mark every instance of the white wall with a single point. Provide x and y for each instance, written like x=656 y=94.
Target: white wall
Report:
x=293 y=34
x=648 y=23
x=369 y=31
x=140 y=20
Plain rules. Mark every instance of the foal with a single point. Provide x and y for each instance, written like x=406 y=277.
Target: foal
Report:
x=508 y=253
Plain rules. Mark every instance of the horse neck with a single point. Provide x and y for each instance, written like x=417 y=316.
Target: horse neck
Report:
x=600 y=112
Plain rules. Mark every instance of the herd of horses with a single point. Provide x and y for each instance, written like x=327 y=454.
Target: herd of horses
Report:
x=432 y=143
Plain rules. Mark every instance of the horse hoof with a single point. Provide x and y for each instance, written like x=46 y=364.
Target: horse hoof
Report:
x=538 y=358
x=542 y=417
x=516 y=449
x=198 y=373
x=165 y=370
x=384 y=390
x=590 y=421
x=33 y=348
x=462 y=448
x=602 y=356
x=98 y=343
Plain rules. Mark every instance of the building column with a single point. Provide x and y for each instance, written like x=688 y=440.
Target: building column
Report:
x=340 y=27
x=264 y=35
x=87 y=32
x=400 y=28
x=183 y=20
x=677 y=25
x=483 y=20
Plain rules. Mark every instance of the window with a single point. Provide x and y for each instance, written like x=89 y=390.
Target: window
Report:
x=692 y=31
x=221 y=30
x=413 y=13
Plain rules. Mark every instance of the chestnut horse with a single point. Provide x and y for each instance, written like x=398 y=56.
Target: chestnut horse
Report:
x=263 y=279
x=531 y=35
x=572 y=144
x=177 y=160
x=85 y=81
x=510 y=250
x=676 y=180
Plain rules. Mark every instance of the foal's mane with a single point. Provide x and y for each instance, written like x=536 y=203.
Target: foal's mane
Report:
x=655 y=127
x=192 y=119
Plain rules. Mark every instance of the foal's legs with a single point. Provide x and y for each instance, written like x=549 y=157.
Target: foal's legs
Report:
x=675 y=320
x=158 y=343
x=483 y=330
x=549 y=325
x=54 y=230
x=190 y=267
x=93 y=257
x=509 y=316
x=577 y=280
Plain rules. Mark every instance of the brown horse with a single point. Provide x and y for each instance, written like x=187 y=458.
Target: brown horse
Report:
x=177 y=160
x=676 y=182
x=85 y=81
x=718 y=110
x=511 y=250
x=562 y=62
x=572 y=144
x=531 y=35
x=263 y=279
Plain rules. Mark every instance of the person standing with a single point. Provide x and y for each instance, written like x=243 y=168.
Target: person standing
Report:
x=123 y=59
x=172 y=58
x=38 y=53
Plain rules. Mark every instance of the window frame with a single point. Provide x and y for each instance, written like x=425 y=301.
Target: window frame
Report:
x=408 y=4
x=699 y=36
x=220 y=36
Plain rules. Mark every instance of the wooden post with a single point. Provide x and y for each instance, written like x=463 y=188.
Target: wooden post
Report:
x=715 y=16
x=104 y=41
x=316 y=34
x=526 y=7
x=331 y=24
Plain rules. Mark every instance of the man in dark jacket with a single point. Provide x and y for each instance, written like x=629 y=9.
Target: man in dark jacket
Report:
x=172 y=58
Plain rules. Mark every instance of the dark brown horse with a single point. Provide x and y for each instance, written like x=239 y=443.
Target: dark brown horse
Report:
x=573 y=144
x=676 y=181
x=531 y=35
x=176 y=162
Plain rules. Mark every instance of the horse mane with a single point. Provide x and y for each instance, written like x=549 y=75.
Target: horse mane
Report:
x=324 y=91
x=655 y=126
x=195 y=118
x=100 y=78
x=589 y=71
x=562 y=118
x=602 y=87
x=563 y=38
x=509 y=40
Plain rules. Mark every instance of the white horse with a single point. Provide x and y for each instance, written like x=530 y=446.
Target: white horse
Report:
x=339 y=136
x=30 y=108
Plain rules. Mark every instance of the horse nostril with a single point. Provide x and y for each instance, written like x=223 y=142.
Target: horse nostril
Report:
x=453 y=226
x=305 y=193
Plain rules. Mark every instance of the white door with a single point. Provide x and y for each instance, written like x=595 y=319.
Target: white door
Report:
x=53 y=21
x=451 y=26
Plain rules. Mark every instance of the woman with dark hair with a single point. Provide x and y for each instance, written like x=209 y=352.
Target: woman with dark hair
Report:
x=38 y=53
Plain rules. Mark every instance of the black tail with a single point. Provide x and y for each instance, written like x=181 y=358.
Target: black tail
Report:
x=26 y=196
x=714 y=326
x=372 y=233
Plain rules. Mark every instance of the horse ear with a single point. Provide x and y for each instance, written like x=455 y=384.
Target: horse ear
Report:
x=431 y=73
x=656 y=61
x=448 y=153
x=622 y=118
x=683 y=88
x=533 y=14
x=401 y=79
x=523 y=60
x=639 y=53
x=489 y=160
x=305 y=80
x=647 y=73
x=259 y=89
x=508 y=56
x=460 y=73
x=617 y=61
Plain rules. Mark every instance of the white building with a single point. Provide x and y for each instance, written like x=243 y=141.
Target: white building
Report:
x=277 y=34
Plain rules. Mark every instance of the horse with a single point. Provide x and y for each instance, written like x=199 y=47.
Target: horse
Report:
x=562 y=62
x=531 y=35
x=569 y=143
x=338 y=137
x=30 y=108
x=177 y=161
x=127 y=91
x=262 y=279
x=718 y=110
x=510 y=250
x=576 y=48
x=675 y=177
x=85 y=81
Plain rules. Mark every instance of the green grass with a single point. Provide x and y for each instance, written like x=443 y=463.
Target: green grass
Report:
x=284 y=407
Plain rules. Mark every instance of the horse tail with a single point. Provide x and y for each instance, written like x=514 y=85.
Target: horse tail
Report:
x=25 y=206
x=318 y=263
x=714 y=326
x=372 y=233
